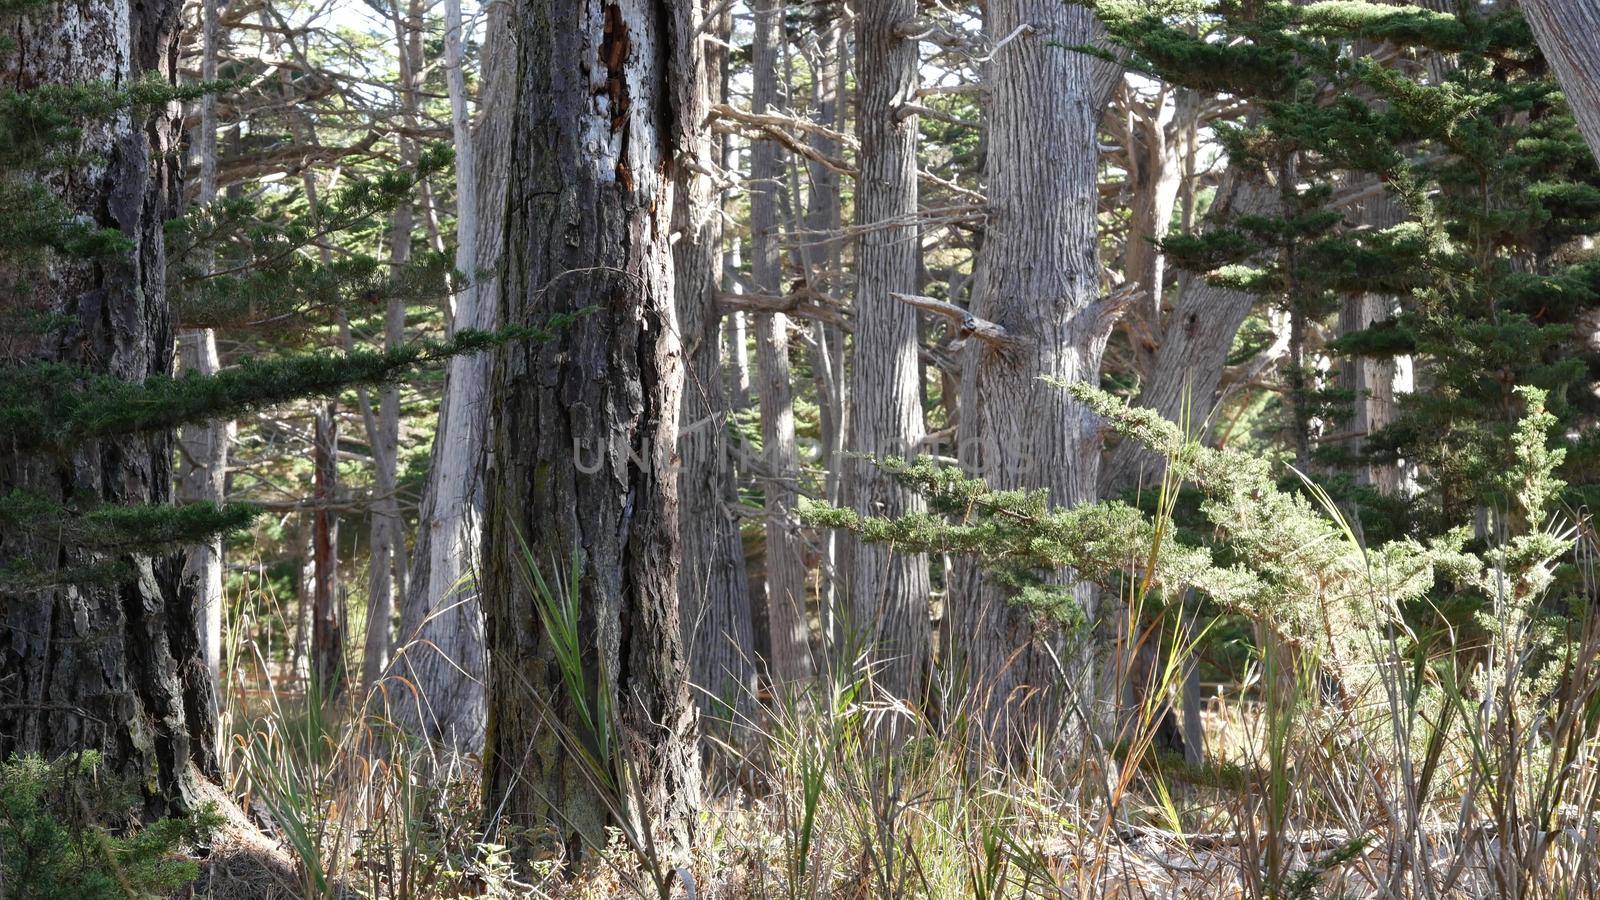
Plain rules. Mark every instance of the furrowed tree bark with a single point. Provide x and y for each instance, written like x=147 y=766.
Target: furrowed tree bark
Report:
x=441 y=625
x=888 y=588
x=1568 y=32
x=785 y=568
x=584 y=435
x=1039 y=281
x=113 y=664
x=712 y=581
x=203 y=454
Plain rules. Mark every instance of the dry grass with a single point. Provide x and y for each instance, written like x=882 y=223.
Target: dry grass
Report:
x=1469 y=772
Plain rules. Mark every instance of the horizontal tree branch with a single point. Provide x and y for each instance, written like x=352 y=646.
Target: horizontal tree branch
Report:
x=967 y=324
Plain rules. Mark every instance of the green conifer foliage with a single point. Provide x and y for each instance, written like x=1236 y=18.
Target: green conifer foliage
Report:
x=248 y=263
x=1281 y=559
x=1497 y=185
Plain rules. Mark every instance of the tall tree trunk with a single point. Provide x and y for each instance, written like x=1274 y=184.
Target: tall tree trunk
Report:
x=1039 y=281
x=888 y=588
x=114 y=665
x=585 y=433
x=327 y=616
x=786 y=570
x=824 y=271
x=712 y=582
x=1568 y=32
x=203 y=454
x=441 y=624
x=387 y=569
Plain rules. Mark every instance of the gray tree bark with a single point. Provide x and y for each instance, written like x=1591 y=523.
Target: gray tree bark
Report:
x=327 y=613
x=1372 y=381
x=785 y=568
x=1039 y=280
x=584 y=434
x=114 y=665
x=1155 y=175
x=387 y=568
x=712 y=582
x=203 y=449
x=441 y=625
x=888 y=588
x=1568 y=32
x=820 y=251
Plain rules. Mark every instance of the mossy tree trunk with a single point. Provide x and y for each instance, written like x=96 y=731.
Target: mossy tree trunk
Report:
x=584 y=434
x=114 y=663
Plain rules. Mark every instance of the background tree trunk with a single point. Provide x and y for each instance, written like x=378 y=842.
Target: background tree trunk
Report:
x=114 y=664
x=388 y=570
x=888 y=587
x=1183 y=381
x=203 y=454
x=1371 y=380
x=1039 y=280
x=585 y=431
x=1155 y=143
x=820 y=250
x=712 y=582
x=785 y=568
x=442 y=621
x=327 y=616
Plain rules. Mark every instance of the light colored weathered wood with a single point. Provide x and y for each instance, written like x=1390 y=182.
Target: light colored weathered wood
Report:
x=967 y=324
x=441 y=635
x=203 y=453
